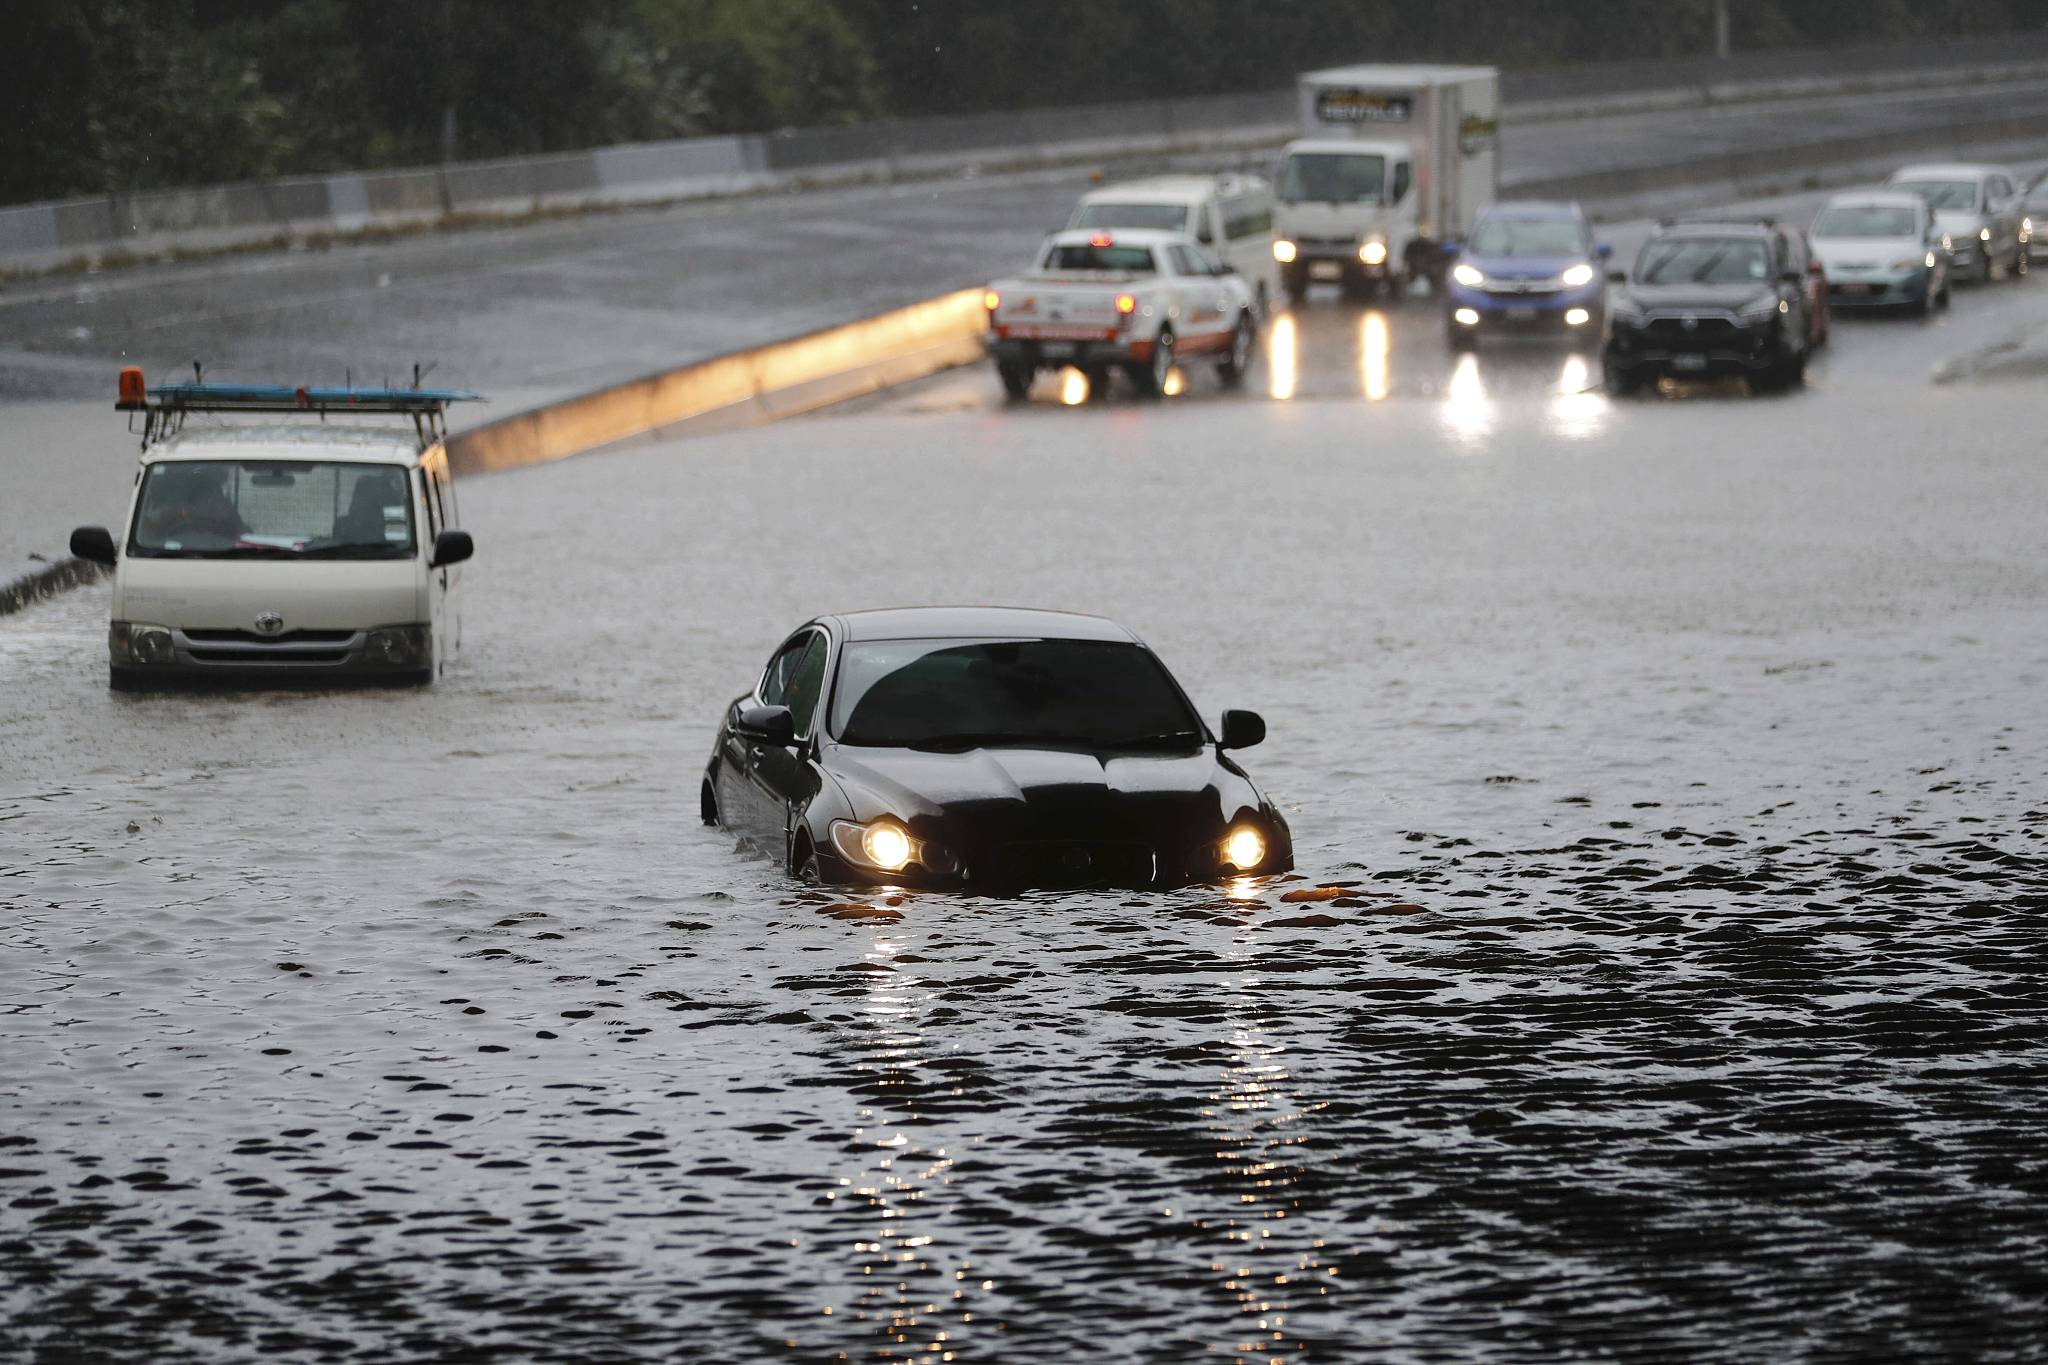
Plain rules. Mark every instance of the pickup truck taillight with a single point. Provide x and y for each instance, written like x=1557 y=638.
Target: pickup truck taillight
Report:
x=1126 y=305
x=991 y=301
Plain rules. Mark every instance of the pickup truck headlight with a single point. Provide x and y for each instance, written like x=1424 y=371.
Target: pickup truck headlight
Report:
x=1469 y=276
x=133 y=642
x=1580 y=274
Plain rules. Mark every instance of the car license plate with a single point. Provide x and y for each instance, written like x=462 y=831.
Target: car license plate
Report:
x=1055 y=350
x=1688 y=362
x=1325 y=270
x=1521 y=314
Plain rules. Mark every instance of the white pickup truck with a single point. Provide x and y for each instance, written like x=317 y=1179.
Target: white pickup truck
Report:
x=1142 y=299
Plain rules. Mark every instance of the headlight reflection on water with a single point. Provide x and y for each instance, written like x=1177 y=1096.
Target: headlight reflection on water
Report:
x=1580 y=408
x=1467 y=411
x=1374 y=347
x=1073 y=387
x=1282 y=357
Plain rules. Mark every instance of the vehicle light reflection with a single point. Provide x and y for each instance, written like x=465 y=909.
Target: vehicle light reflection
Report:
x=1579 y=407
x=1176 y=383
x=1468 y=412
x=1073 y=387
x=1282 y=357
x=1374 y=344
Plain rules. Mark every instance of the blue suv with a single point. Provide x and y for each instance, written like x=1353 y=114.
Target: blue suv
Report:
x=1528 y=268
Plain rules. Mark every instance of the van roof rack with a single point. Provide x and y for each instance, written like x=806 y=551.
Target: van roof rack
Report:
x=165 y=406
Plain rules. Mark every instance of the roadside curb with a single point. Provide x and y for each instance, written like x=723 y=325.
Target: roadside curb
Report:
x=25 y=592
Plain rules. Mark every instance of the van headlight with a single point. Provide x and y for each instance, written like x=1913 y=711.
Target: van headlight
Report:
x=398 y=647
x=1469 y=276
x=133 y=642
x=1373 y=253
x=1283 y=251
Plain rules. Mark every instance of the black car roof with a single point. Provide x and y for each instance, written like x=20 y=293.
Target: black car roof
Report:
x=1710 y=227
x=941 y=623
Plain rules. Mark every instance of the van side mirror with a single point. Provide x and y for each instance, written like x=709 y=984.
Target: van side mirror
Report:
x=94 y=544
x=767 y=725
x=1241 y=730
x=451 y=547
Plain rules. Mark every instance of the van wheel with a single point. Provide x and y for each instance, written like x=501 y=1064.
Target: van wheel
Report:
x=707 y=803
x=1238 y=358
x=1016 y=377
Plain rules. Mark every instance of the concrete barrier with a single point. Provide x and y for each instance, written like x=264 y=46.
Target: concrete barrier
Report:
x=40 y=236
x=761 y=384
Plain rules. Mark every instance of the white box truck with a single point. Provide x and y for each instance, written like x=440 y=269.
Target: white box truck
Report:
x=1393 y=162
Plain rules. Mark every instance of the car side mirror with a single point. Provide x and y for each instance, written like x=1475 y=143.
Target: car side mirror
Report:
x=1451 y=249
x=451 y=547
x=1617 y=277
x=767 y=725
x=1603 y=250
x=94 y=544
x=1241 y=730
x=1792 y=277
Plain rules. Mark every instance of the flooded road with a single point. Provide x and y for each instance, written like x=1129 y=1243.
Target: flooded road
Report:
x=1662 y=979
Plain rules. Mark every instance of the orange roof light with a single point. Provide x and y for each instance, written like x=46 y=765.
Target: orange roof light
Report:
x=132 y=390
x=1102 y=239
x=1126 y=304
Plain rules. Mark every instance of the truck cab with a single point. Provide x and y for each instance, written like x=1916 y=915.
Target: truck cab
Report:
x=302 y=540
x=1394 y=163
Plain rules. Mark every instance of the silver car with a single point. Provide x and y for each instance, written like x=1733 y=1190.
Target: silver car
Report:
x=1882 y=248
x=1980 y=212
x=2036 y=206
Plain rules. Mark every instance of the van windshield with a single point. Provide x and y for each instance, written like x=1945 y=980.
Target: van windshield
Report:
x=296 y=509
x=1333 y=178
x=1165 y=217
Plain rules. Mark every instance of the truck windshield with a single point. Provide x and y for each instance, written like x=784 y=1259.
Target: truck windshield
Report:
x=1333 y=178
x=1125 y=260
x=1864 y=220
x=297 y=509
x=960 y=694
x=1166 y=217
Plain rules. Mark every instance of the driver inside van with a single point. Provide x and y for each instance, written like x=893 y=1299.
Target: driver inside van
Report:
x=191 y=501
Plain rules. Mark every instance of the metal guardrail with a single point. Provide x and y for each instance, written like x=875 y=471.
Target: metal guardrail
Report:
x=40 y=235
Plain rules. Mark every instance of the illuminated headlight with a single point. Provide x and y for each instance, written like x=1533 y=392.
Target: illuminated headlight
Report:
x=132 y=642
x=1283 y=251
x=398 y=647
x=1948 y=243
x=1576 y=317
x=1244 y=848
x=1930 y=260
x=887 y=847
x=1469 y=276
x=2026 y=227
x=1373 y=253
x=1580 y=274
x=1466 y=317
x=1983 y=234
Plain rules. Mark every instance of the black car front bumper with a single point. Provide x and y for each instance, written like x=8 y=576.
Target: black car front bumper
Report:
x=1694 y=347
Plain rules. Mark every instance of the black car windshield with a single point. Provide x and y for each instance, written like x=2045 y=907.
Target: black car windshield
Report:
x=1703 y=260
x=967 y=693
x=1942 y=194
x=1333 y=178
x=1167 y=217
x=296 y=509
x=1864 y=220
x=1527 y=237
x=1124 y=260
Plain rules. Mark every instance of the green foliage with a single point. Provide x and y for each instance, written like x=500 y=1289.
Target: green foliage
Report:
x=116 y=96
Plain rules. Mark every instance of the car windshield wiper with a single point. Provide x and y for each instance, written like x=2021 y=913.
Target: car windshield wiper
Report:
x=1165 y=739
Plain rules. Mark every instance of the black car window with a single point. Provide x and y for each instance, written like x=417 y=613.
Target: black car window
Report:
x=775 y=679
x=959 y=693
x=1133 y=260
x=806 y=682
x=1703 y=260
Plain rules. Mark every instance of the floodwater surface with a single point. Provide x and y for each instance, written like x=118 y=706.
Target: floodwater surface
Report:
x=1662 y=979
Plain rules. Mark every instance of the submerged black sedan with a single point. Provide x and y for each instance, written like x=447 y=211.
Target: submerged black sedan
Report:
x=987 y=748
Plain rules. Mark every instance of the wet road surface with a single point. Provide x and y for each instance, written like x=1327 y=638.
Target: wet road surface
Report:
x=1661 y=981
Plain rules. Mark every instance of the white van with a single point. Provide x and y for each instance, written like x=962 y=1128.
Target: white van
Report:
x=1229 y=215
x=317 y=546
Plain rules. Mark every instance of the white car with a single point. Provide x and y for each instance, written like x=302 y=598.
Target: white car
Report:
x=317 y=546
x=1231 y=216
x=1882 y=248
x=1142 y=299
x=1980 y=211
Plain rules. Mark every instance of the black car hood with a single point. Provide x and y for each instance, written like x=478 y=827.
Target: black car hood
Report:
x=1011 y=792
x=1732 y=297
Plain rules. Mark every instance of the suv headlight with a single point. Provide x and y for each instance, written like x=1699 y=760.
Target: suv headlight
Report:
x=1761 y=310
x=1580 y=274
x=1469 y=276
x=399 y=647
x=133 y=642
